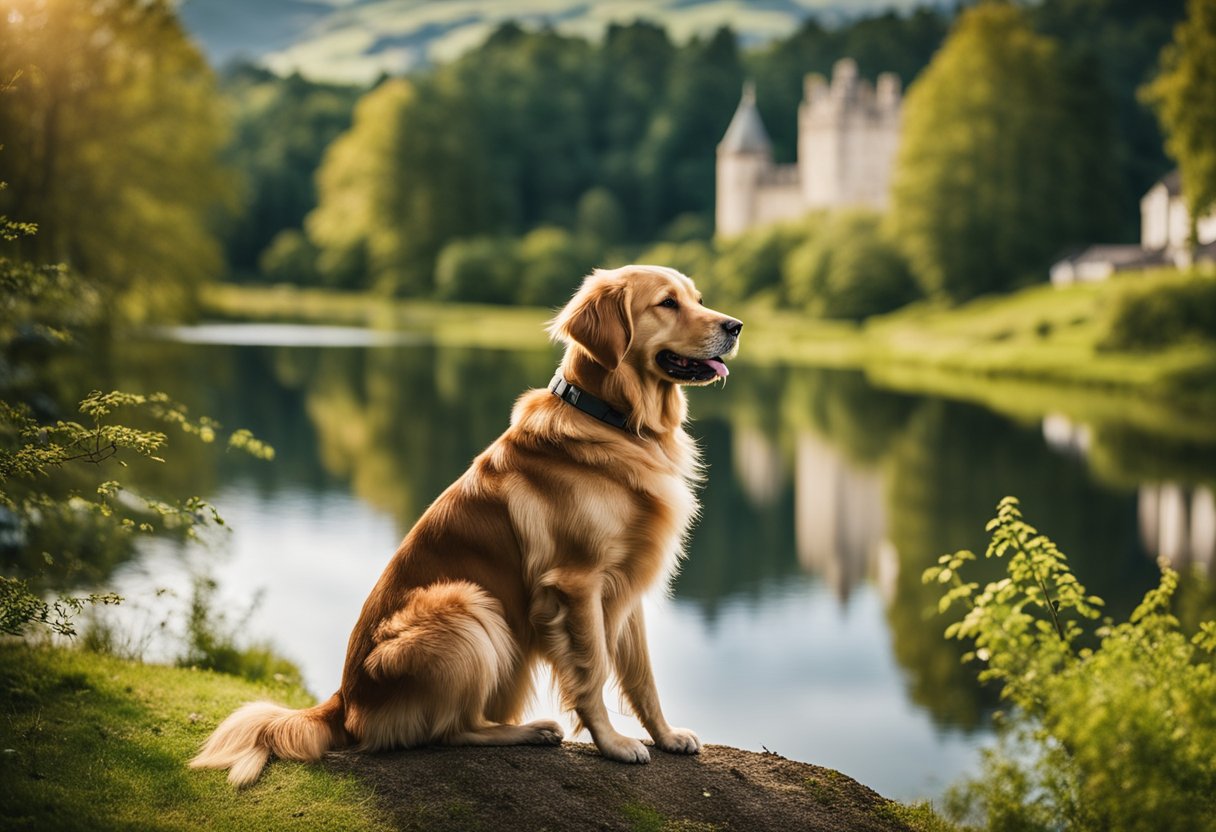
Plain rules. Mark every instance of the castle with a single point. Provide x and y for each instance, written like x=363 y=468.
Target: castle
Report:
x=848 y=134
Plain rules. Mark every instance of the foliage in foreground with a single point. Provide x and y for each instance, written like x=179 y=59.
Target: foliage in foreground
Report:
x=1111 y=727
x=54 y=503
x=47 y=514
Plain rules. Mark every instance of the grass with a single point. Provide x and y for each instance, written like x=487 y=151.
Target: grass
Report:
x=1021 y=353
x=94 y=742
x=919 y=817
x=467 y=325
x=643 y=818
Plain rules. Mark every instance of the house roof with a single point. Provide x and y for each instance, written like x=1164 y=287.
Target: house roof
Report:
x=746 y=133
x=1118 y=256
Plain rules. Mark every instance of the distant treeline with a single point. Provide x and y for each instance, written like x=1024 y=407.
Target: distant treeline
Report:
x=602 y=146
x=505 y=174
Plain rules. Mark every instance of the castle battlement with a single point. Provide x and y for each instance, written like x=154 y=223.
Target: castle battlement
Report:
x=848 y=135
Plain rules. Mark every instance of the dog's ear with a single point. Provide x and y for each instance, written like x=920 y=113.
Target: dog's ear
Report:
x=598 y=319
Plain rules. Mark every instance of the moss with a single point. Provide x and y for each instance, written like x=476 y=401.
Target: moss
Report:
x=643 y=818
x=824 y=787
x=919 y=817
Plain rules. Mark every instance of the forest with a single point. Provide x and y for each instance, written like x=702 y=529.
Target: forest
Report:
x=506 y=174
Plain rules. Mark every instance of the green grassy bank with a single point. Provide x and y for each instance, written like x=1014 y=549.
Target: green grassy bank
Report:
x=1040 y=337
x=94 y=742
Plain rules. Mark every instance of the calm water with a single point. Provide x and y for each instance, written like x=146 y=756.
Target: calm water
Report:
x=799 y=621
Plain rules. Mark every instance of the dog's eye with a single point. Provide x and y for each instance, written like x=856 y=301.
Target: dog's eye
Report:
x=670 y=303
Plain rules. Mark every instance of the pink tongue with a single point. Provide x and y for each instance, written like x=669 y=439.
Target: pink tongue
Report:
x=717 y=366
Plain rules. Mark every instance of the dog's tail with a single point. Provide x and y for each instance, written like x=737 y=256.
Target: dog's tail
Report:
x=245 y=740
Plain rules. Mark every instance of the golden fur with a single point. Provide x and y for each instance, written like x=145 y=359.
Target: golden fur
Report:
x=541 y=550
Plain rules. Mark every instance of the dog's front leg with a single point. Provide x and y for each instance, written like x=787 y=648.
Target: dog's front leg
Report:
x=569 y=613
x=632 y=660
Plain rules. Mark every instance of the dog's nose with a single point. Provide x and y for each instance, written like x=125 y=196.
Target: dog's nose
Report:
x=732 y=327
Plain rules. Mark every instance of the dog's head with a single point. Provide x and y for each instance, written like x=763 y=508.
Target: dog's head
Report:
x=650 y=319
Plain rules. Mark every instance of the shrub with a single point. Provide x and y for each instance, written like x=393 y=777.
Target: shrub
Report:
x=477 y=270
x=1111 y=727
x=694 y=258
x=1161 y=309
x=212 y=643
x=751 y=264
x=848 y=269
x=552 y=262
x=290 y=258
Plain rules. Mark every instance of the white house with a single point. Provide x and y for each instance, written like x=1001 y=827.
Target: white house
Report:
x=1165 y=224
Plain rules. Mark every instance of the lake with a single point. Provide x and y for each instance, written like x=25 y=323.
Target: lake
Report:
x=799 y=623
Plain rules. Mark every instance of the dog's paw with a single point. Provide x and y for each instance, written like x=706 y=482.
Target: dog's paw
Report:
x=679 y=741
x=623 y=749
x=546 y=732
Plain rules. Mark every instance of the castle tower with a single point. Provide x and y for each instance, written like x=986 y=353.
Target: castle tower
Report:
x=744 y=158
x=848 y=135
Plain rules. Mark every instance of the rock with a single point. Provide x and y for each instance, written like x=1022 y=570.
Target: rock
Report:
x=529 y=789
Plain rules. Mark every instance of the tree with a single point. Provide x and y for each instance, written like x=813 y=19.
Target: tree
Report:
x=409 y=176
x=1184 y=96
x=281 y=129
x=111 y=128
x=1120 y=40
x=996 y=172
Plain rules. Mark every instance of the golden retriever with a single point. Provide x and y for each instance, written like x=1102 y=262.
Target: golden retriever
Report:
x=543 y=549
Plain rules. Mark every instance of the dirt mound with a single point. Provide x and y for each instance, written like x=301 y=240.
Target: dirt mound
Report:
x=573 y=787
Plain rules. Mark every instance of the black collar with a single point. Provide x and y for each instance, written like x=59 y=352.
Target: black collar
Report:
x=586 y=402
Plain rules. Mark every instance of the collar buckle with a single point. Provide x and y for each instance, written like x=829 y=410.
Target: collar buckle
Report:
x=580 y=399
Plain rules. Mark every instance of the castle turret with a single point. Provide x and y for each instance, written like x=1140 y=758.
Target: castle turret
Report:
x=848 y=135
x=744 y=158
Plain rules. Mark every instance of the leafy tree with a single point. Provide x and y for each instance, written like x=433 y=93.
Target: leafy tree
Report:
x=281 y=129
x=1111 y=727
x=995 y=174
x=677 y=155
x=1184 y=96
x=352 y=227
x=630 y=87
x=409 y=176
x=1119 y=41
x=111 y=128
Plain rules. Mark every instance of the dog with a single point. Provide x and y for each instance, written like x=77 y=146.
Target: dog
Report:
x=542 y=550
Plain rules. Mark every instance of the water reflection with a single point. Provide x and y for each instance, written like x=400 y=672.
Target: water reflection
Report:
x=799 y=620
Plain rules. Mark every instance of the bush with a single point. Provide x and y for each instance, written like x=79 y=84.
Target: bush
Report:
x=1161 y=309
x=553 y=262
x=477 y=270
x=848 y=269
x=290 y=258
x=212 y=643
x=694 y=258
x=1112 y=727
x=752 y=264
